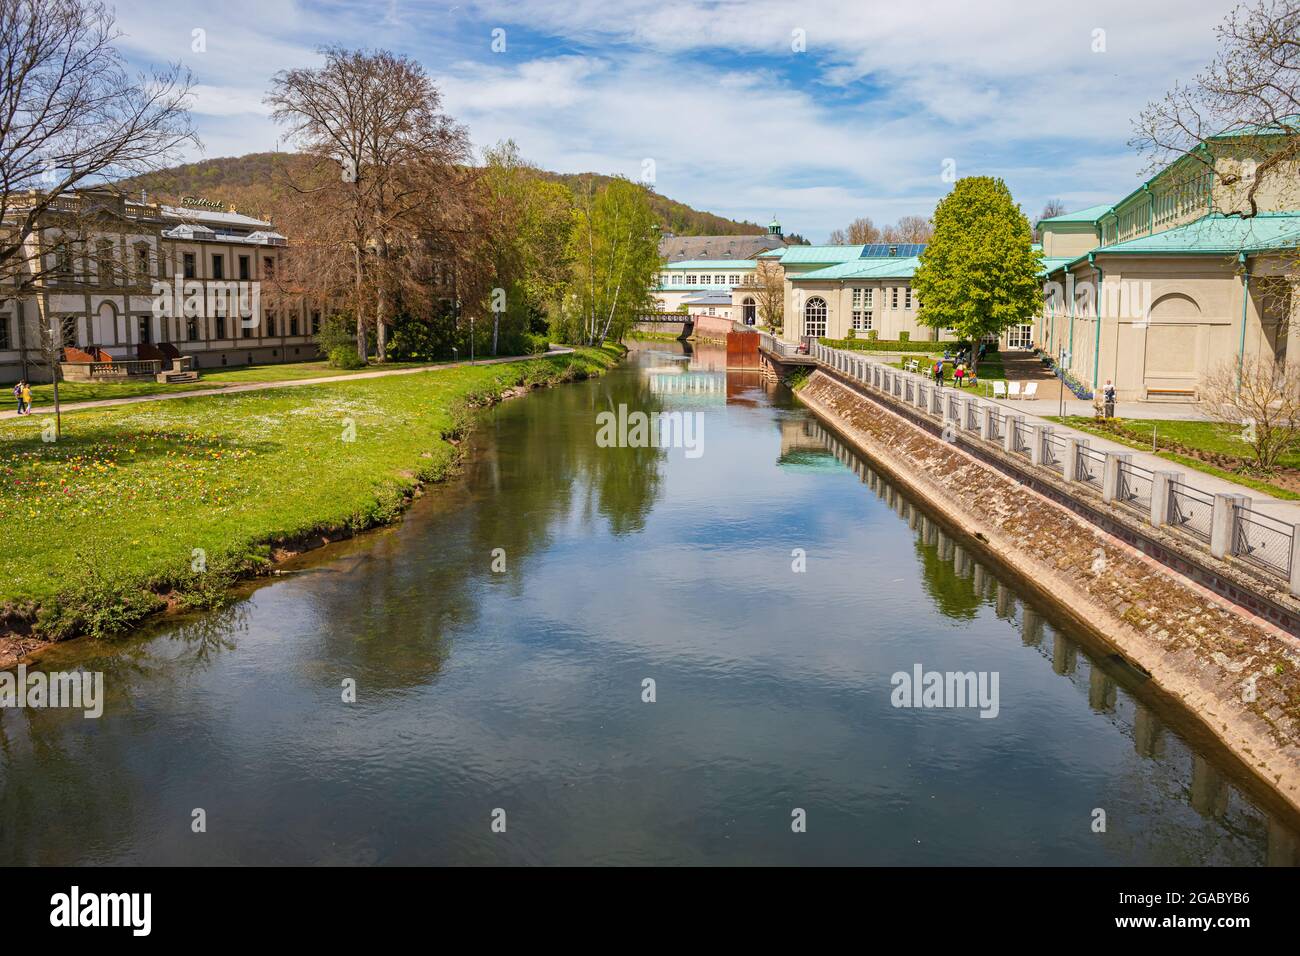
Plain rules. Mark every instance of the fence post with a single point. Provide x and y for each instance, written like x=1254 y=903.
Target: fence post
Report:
x=1295 y=559
x=1037 y=437
x=971 y=406
x=922 y=394
x=1160 y=482
x=1110 y=474
x=1009 y=422
x=986 y=422
x=1070 y=466
x=1223 y=522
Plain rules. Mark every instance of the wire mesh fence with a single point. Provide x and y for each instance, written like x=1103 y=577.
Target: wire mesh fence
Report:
x=1262 y=540
x=1134 y=487
x=1190 y=509
x=1090 y=467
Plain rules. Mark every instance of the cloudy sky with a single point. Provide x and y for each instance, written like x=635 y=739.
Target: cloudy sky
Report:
x=816 y=111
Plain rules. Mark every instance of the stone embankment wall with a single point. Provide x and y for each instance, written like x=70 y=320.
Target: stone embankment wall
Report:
x=1238 y=673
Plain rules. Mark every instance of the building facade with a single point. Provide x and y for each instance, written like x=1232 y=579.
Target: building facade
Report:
x=105 y=277
x=1181 y=278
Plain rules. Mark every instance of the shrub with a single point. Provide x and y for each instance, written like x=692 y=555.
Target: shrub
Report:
x=878 y=345
x=337 y=331
x=851 y=334
x=872 y=335
x=346 y=357
x=904 y=336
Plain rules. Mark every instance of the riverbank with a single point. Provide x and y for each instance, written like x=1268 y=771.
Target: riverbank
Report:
x=1237 y=673
x=166 y=504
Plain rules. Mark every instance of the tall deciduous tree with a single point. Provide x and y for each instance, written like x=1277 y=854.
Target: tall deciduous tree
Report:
x=770 y=278
x=71 y=116
x=979 y=274
x=526 y=221
x=377 y=118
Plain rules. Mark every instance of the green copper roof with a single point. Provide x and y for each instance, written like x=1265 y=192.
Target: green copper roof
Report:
x=1216 y=234
x=1053 y=263
x=1089 y=215
x=721 y=264
x=901 y=267
x=814 y=255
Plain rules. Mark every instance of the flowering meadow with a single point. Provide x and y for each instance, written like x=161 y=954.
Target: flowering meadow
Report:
x=137 y=491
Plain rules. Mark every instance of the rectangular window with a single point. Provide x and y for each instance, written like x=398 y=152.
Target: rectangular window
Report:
x=245 y=269
x=142 y=261
x=270 y=323
x=293 y=325
x=893 y=297
x=221 y=326
x=690 y=279
x=868 y=295
x=868 y=323
x=735 y=280
x=68 y=330
x=712 y=311
x=144 y=329
x=315 y=322
x=907 y=297
x=189 y=266
x=857 y=320
x=218 y=266
x=246 y=329
x=4 y=331
x=191 y=330
x=268 y=267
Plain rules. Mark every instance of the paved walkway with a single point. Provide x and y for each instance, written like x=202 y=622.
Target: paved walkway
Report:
x=287 y=383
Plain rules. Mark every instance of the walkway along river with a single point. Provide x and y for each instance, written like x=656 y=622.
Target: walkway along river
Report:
x=519 y=695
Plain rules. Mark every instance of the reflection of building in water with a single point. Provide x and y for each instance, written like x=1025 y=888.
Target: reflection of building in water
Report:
x=673 y=381
x=1174 y=764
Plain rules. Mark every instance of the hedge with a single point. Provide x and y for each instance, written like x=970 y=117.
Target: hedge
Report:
x=882 y=345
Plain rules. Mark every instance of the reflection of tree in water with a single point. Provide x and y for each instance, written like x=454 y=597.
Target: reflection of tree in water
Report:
x=533 y=465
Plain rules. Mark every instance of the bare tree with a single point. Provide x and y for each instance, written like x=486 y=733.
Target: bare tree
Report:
x=859 y=232
x=377 y=117
x=1251 y=90
x=1262 y=400
x=71 y=116
x=909 y=229
x=770 y=279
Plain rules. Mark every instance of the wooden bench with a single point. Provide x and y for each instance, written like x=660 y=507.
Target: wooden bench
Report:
x=1177 y=394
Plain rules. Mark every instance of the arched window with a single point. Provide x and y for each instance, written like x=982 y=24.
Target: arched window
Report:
x=748 y=311
x=814 y=317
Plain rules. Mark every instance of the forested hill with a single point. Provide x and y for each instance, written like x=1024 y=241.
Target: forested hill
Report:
x=250 y=183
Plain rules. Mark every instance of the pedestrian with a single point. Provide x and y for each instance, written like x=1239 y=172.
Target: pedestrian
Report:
x=938 y=373
x=959 y=373
x=1108 y=394
x=18 y=396
x=25 y=400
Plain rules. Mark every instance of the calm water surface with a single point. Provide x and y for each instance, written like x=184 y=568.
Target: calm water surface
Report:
x=523 y=690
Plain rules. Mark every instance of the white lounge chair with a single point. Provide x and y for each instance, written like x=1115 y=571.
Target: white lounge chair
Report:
x=1031 y=389
x=1013 y=389
x=999 y=388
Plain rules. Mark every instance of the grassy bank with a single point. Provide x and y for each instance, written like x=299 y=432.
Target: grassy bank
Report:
x=180 y=498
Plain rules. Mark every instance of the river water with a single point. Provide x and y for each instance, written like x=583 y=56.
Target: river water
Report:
x=768 y=583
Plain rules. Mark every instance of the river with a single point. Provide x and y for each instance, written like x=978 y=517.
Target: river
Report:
x=769 y=586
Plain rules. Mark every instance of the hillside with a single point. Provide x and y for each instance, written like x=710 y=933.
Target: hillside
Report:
x=252 y=184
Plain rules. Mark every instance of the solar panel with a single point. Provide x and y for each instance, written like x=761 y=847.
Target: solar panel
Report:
x=884 y=250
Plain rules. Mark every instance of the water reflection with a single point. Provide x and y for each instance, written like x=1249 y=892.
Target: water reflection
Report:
x=521 y=689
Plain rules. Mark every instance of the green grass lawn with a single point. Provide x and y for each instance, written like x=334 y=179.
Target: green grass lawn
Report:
x=1210 y=437
x=43 y=395
x=129 y=493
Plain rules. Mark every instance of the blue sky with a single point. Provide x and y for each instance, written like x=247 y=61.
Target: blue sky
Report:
x=737 y=120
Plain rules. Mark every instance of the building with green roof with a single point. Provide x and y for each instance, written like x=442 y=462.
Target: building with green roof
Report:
x=1196 y=269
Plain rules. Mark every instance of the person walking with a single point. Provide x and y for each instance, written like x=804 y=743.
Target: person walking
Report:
x=18 y=396
x=959 y=373
x=938 y=373
x=25 y=400
x=1108 y=395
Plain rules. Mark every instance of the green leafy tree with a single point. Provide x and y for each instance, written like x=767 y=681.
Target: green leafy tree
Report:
x=614 y=252
x=979 y=273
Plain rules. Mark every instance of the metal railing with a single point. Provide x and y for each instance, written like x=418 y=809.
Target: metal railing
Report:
x=1134 y=487
x=1190 y=509
x=1264 y=542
